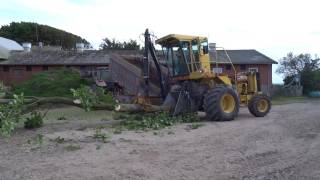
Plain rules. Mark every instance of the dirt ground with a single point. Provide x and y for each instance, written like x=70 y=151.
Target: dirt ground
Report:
x=283 y=145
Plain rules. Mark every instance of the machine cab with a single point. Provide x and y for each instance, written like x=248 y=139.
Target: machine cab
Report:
x=185 y=55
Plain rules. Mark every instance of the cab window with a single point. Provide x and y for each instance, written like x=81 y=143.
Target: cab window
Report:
x=195 y=52
x=176 y=55
x=205 y=46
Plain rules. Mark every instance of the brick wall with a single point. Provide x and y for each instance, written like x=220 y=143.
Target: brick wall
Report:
x=265 y=71
x=16 y=74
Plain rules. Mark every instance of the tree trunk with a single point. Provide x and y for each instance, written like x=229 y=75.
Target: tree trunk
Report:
x=35 y=102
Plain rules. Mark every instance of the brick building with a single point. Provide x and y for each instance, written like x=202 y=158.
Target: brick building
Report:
x=20 y=66
x=243 y=61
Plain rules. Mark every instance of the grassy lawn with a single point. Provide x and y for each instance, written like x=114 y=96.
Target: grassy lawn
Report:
x=278 y=100
x=75 y=113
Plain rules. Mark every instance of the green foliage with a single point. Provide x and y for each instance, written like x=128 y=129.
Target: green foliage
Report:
x=85 y=95
x=117 y=130
x=114 y=44
x=33 y=32
x=195 y=125
x=34 y=121
x=98 y=134
x=36 y=142
x=303 y=65
x=296 y=64
x=157 y=121
x=51 y=83
x=10 y=115
x=310 y=81
x=105 y=97
x=88 y=98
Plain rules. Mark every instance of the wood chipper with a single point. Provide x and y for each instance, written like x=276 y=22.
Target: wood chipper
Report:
x=194 y=86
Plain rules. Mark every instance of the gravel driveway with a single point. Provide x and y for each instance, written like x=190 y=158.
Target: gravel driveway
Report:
x=283 y=145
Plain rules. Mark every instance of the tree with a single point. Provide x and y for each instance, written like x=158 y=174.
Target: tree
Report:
x=34 y=33
x=303 y=65
x=110 y=44
x=115 y=44
x=132 y=45
x=296 y=64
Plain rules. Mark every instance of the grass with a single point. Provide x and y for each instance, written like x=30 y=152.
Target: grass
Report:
x=73 y=147
x=196 y=125
x=76 y=114
x=279 y=100
x=100 y=135
x=36 y=142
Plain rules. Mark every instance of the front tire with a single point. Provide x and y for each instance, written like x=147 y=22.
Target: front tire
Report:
x=221 y=104
x=259 y=105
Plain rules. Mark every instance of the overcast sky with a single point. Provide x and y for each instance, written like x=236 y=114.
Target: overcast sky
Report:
x=273 y=27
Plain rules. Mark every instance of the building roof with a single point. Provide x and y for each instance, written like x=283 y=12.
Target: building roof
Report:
x=41 y=57
x=10 y=44
x=92 y=57
x=249 y=56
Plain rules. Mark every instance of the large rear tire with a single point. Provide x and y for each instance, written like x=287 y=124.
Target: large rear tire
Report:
x=259 y=105
x=221 y=104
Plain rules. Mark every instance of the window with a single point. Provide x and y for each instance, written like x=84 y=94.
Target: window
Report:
x=6 y=68
x=204 y=46
x=195 y=51
x=45 y=68
x=243 y=67
x=177 y=56
x=228 y=67
x=253 y=69
x=28 y=68
x=217 y=70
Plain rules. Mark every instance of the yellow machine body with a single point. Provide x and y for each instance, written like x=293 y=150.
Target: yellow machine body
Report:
x=199 y=64
x=195 y=86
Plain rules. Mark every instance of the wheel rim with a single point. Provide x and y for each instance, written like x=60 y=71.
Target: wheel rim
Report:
x=227 y=103
x=262 y=105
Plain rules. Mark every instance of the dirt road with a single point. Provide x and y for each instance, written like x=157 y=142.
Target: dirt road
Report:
x=283 y=145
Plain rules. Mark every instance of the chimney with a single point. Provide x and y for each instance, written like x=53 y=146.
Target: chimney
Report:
x=26 y=46
x=80 y=47
x=212 y=46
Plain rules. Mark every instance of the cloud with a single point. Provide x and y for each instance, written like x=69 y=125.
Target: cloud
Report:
x=273 y=27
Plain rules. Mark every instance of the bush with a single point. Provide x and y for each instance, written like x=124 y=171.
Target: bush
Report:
x=10 y=115
x=51 y=83
x=105 y=97
x=88 y=98
x=156 y=121
x=310 y=81
x=34 y=121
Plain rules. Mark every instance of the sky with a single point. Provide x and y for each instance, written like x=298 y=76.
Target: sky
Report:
x=272 y=27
